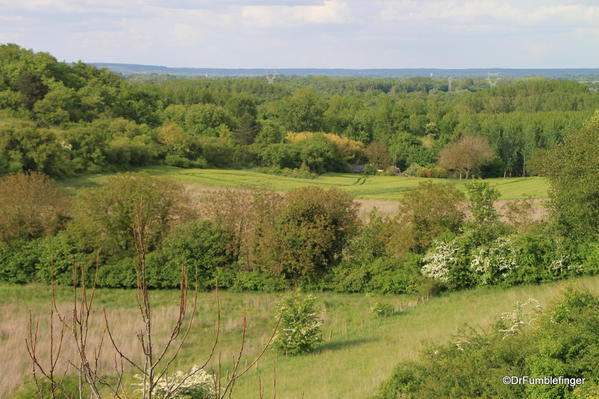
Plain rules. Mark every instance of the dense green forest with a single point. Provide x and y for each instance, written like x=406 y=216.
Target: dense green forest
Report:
x=63 y=119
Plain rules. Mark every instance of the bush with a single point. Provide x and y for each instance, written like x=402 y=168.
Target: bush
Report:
x=300 y=327
x=258 y=281
x=57 y=257
x=118 y=273
x=18 y=261
x=104 y=215
x=413 y=170
x=199 y=246
x=280 y=156
x=426 y=213
x=495 y=262
x=195 y=383
x=67 y=388
x=31 y=206
x=311 y=231
x=566 y=344
x=561 y=342
x=381 y=275
x=544 y=257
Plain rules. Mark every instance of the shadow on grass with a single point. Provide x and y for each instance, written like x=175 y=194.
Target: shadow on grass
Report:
x=336 y=345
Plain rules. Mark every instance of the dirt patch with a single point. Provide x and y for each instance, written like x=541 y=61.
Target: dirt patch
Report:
x=532 y=209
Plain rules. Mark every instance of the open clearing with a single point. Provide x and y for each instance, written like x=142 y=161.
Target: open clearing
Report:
x=374 y=188
x=359 y=350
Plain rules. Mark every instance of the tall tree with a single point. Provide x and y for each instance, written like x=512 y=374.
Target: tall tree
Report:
x=247 y=130
x=466 y=155
x=303 y=111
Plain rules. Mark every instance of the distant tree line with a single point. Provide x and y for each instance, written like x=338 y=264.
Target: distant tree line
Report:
x=64 y=119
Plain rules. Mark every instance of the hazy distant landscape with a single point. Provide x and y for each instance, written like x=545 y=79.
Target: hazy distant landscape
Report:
x=562 y=73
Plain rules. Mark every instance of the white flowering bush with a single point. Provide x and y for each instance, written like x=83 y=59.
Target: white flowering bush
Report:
x=494 y=262
x=562 y=265
x=523 y=315
x=196 y=383
x=300 y=326
x=441 y=259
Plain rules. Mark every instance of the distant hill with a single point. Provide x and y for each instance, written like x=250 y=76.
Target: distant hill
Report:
x=131 y=69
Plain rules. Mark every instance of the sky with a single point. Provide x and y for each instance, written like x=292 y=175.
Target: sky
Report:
x=310 y=33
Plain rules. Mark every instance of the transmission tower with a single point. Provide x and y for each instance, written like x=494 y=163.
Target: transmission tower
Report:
x=449 y=82
x=493 y=78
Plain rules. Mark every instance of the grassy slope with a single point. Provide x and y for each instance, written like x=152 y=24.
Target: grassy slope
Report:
x=359 y=351
x=377 y=187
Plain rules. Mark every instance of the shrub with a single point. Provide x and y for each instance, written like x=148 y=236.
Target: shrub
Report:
x=380 y=275
x=18 y=261
x=448 y=262
x=426 y=213
x=196 y=383
x=544 y=257
x=104 y=215
x=311 y=231
x=280 y=155
x=413 y=170
x=57 y=257
x=321 y=155
x=31 y=206
x=300 y=327
x=561 y=342
x=481 y=197
x=67 y=387
x=495 y=262
x=590 y=252
x=566 y=344
x=439 y=172
x=117 y=273
x=254 y=280
x=199 y=246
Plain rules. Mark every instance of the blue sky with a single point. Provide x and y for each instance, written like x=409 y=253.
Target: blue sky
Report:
x=310 y=33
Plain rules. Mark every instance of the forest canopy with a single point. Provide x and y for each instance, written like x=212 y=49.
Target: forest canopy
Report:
x=64 y=119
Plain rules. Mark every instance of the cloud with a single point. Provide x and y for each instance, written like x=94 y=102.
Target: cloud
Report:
x=330 y=11
x=302 y=33
x=211 y=4
x=510 y=11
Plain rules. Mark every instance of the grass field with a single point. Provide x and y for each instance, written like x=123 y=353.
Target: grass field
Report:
x=359 y=350
x=375 y=188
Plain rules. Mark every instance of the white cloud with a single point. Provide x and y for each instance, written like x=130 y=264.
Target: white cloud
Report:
x=511 y=11
x=331 y=11
x=375 y=33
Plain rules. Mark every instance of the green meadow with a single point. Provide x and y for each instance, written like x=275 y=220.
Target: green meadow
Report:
x=374 y=187
x=358 y=352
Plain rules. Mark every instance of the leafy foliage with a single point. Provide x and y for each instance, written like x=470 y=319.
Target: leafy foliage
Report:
x=572 y=168
x=31 y=206
x=299 y=327
x=563 y=343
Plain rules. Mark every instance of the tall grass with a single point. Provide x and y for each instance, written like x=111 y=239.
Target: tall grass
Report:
x=359 y=349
